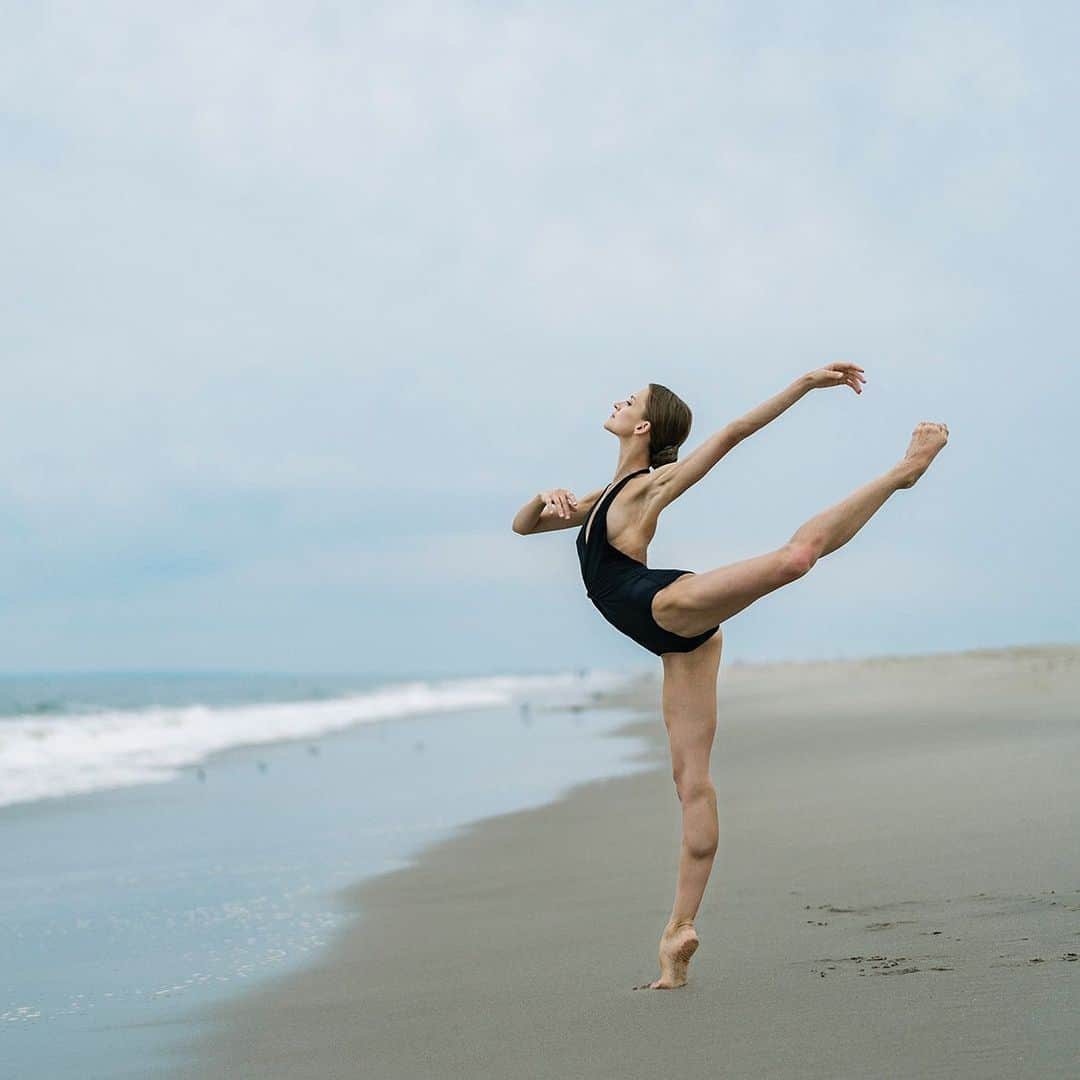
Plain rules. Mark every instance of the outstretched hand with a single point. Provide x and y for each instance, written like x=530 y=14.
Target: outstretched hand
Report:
x=839 y=374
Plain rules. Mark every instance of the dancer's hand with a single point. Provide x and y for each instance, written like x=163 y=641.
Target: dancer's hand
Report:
x=561 y=501
x=839 y=374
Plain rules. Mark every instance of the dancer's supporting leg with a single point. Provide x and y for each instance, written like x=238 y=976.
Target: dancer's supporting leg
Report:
x=689 y=707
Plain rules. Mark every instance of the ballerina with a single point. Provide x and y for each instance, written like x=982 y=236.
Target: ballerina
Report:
x=676 y=614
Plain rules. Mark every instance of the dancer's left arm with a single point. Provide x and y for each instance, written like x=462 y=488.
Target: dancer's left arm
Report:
x=672 y=480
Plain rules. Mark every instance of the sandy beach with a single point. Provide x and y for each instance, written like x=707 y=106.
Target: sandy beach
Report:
x=896 y=894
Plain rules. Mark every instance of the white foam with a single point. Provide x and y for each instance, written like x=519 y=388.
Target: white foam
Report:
x=47 y=757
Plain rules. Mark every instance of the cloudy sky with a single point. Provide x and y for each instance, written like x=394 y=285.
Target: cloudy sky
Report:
x=303 y=301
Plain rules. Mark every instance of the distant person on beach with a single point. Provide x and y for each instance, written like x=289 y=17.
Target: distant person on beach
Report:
x=676 y=614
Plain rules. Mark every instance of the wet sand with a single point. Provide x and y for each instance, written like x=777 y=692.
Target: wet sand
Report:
x=896 y=894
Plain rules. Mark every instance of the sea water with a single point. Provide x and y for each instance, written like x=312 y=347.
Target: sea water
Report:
x=169 y=840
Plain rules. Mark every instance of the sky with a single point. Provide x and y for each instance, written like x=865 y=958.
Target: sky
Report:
x=302 y=302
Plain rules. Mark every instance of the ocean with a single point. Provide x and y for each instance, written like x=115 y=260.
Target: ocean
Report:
x=170 y=840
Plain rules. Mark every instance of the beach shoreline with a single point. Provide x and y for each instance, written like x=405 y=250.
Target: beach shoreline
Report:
x=910 y=817
x=128 y=907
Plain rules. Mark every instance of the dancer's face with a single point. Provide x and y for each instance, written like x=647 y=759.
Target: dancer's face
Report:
x=628 y=414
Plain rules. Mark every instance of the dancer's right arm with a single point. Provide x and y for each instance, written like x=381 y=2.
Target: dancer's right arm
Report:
x=673 y=479
x=840 y=373
x=554 y=509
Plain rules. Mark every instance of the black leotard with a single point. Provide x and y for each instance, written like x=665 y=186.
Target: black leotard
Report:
x=622 y=588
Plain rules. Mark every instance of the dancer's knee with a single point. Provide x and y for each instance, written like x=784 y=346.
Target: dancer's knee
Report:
x=692 y=787
x=797 y=557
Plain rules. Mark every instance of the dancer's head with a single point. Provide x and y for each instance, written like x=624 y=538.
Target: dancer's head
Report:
x=657 y=417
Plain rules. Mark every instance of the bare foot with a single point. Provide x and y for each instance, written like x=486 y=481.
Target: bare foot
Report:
x=676 y=948
x=926 y=440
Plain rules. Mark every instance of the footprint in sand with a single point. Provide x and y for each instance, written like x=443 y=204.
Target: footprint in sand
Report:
x=981 y=924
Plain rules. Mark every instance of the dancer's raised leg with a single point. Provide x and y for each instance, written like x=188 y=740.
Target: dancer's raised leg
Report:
x=835 y=526
x=695 y=602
